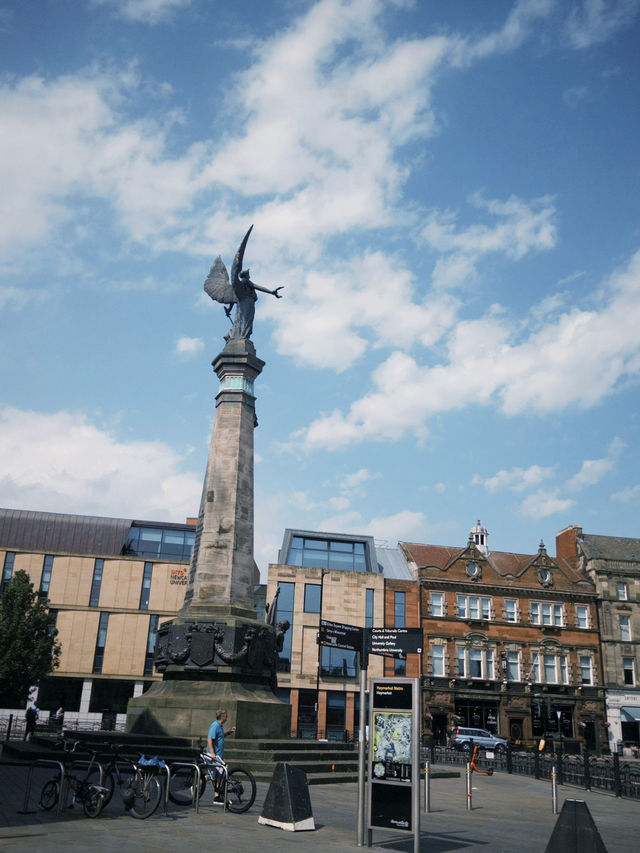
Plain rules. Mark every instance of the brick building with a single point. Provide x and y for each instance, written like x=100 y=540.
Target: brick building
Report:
x=510 y=644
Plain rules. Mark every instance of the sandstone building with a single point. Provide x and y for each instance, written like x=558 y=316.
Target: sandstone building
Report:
x=613 y=564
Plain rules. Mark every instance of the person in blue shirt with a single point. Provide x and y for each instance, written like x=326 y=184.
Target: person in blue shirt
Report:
x=215 y=744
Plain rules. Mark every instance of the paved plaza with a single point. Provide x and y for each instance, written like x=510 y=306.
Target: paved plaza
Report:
x=510 y=814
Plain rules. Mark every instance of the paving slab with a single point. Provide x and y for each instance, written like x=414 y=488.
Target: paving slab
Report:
x=510 y=814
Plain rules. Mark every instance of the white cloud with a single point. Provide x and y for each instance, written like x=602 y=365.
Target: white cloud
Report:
x=189 y=346
x=627 y=495
x=575 y=95
x=65 y=140
x=576 y=359
x=353 y=482
x=593 y=470
x=515 y=30
x=594 y=21
x=331 y=317
x=16 y=298
x=145 y=11
x=73 y=465
x=406 y=524
x=522 y=227
x=544 y=503
x=516 y=479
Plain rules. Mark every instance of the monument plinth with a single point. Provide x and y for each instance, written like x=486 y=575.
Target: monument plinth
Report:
x=217 y=652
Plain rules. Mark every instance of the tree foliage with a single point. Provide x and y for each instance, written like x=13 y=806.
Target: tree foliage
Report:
x=28 y=647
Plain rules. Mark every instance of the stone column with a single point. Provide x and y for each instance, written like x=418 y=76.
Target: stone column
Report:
x=221 y=574
x=216 y=653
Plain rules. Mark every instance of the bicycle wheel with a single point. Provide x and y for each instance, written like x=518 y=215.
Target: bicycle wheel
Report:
x=49 y=794
x=146 y=795
x=94 y=803
x=241 y=790
x=109 y=783
x=182 y=785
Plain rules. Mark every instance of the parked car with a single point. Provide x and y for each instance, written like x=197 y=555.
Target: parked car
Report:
x=462 y=738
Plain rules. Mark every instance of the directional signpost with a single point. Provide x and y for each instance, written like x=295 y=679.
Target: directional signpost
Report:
x=395 y=642
x=340 y=636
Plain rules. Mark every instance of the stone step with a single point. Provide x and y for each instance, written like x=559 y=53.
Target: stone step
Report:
x=290 y=756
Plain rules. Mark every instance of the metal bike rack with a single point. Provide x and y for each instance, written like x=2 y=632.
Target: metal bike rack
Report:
x=44 y=762
x=198 y=776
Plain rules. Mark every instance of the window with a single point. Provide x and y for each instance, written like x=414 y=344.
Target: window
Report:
x=45 y=580
x=550 y=668
x=399 y=609
x=437 y=603
x=586 y=669
x=312 y=597
x=399 y=667
x=146 y=587
x=7 y=571
x=340 y=663
x=151 y=645
x=510 y=610
x=513 y=666
x=327 y=554
x=582 y=616
x=284 y=610
x=628 y=671
x=336 y=714
x=101 y=641
x=94 y=597
x=625 y=629
x=622 y=591
x=54 y=621
x=545 y=613
x=473 y=607
x=475 y=663
x=160 y=543
x=369 y=609
x=437 y=659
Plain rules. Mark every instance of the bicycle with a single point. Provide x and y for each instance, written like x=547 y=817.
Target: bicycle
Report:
x=83 y=789
x=238 y=785
x=139 y=785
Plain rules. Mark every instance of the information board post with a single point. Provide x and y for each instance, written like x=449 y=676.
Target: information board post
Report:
x=362 y=745
x=394 y=757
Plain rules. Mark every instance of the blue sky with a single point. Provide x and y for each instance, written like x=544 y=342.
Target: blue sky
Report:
x=448 y=192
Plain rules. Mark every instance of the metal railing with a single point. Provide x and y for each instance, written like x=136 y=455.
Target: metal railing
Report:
x=592 y=772
x=13 y=726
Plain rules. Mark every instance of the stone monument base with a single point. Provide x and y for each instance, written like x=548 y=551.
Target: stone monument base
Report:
x=185 y=708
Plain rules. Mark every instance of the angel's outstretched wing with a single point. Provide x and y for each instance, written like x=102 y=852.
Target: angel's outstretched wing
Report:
x=236 y=266
x=217 y=284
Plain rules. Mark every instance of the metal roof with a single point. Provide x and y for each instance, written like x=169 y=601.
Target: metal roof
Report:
x=394 y=566
x=52 y=532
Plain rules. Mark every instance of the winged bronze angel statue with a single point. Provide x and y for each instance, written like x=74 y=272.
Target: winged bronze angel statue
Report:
x=239 y=291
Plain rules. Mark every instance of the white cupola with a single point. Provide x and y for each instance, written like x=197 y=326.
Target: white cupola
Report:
x=480 y=537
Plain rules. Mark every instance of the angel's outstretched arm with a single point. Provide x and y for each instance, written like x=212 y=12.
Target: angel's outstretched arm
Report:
x=266 y=290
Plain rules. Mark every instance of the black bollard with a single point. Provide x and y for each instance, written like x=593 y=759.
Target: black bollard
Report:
x=287 y=804
x=575 y=831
